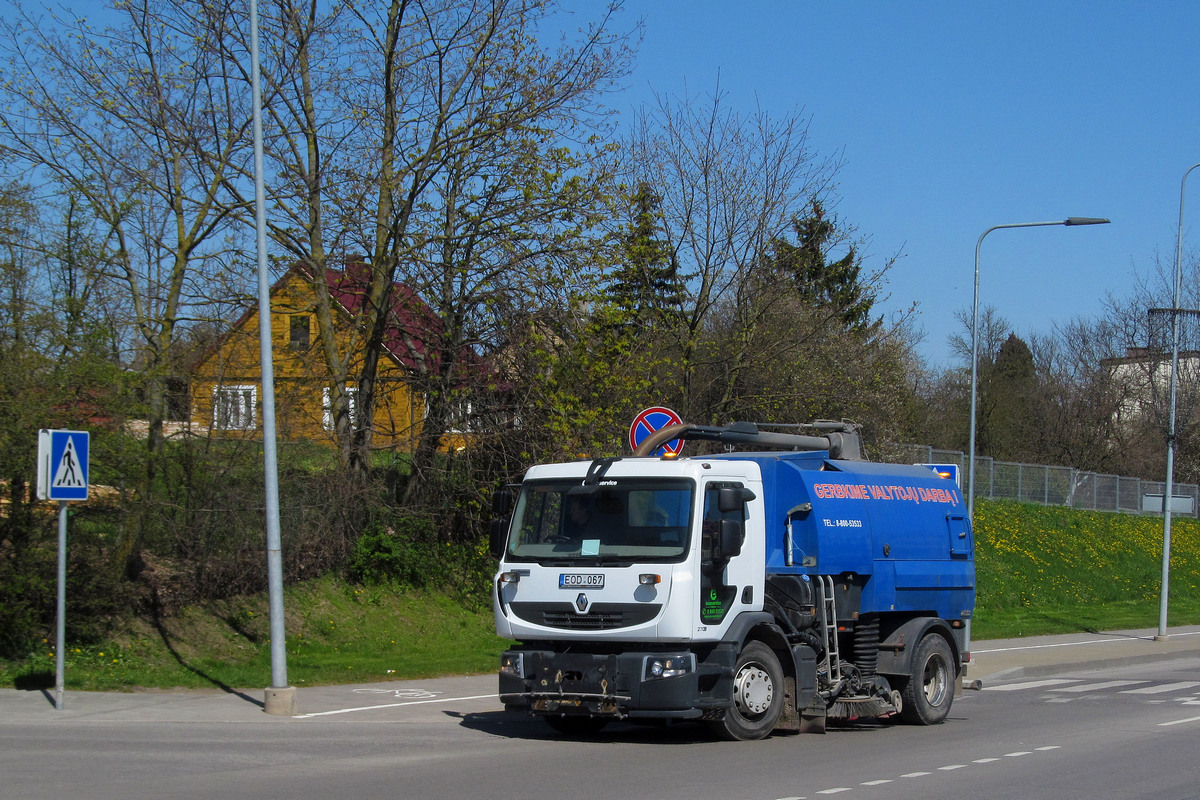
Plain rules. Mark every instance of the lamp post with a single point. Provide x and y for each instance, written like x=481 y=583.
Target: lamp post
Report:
x=280 y=698
x=1168 y=490
x=1069 y=221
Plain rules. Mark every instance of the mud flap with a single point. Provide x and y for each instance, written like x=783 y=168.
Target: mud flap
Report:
x=812 y=717
x=789 y=718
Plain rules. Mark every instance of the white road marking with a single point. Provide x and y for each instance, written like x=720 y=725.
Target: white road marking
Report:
x=412 y=694
x=947 y=768
x=1161 y=688
x=394 y=705
x=1095 y=687
x=1178 y=722
x=1013 y=687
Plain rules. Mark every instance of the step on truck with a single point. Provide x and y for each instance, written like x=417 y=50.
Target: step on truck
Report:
x=759 y=592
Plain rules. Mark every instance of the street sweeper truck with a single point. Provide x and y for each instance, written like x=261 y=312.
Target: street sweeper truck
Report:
x=759 y=591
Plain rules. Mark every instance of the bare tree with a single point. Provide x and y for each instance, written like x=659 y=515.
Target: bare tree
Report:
x=729 y=186
x=1136 y=332
x=1079 y=400
x=447 y=144
x=142 y=121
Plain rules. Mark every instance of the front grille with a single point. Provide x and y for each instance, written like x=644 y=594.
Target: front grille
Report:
x=600 y=617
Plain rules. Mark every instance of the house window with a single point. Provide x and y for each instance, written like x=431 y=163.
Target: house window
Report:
x=327 y=406
x=468 y=415
x=234 y=407
x=462 y=417
x=299 y=331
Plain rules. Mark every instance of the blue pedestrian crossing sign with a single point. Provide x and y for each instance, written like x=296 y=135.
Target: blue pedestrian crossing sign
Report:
x=951 y=471
x=62 y=465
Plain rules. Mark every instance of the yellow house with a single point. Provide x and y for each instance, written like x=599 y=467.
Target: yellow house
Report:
x=226 y=384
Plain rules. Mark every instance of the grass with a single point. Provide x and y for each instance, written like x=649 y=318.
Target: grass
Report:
x=1044 y=569
x=1038 y=570
x=336 y=633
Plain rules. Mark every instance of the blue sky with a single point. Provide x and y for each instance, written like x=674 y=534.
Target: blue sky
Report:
x=953 y=117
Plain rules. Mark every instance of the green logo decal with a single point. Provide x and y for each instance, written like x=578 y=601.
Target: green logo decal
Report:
x=716 y=605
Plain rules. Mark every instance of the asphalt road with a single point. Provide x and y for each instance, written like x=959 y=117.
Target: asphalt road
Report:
x=1091 y=716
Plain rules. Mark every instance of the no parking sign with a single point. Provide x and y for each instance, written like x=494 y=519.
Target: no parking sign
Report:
x=653 y=419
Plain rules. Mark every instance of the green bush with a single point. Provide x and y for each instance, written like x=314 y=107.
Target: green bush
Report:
x=27 y=592
x=96 y=593
x=395 y=554
x=407 y=553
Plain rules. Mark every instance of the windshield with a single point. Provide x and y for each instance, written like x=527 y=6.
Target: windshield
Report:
x=628 y=520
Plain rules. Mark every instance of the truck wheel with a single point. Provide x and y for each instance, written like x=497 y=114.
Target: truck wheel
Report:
x=757 y=695
x=576 y=726
x=927 y=695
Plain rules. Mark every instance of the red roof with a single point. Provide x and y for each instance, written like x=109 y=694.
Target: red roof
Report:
x=413 y=327
x=413 y=331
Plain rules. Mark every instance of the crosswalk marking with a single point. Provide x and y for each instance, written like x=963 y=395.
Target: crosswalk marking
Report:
x=1013 y=687
x=1163 y=688
x=1095 y=687
x=1076 y=687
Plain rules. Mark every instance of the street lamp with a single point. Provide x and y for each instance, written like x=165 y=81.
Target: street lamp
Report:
x=975 y=339
x=280 y=698
x=1168 y=489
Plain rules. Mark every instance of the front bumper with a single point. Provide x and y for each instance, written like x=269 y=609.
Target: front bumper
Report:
x=618 y=684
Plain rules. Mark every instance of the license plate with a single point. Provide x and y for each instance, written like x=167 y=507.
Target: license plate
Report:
x=568 y=581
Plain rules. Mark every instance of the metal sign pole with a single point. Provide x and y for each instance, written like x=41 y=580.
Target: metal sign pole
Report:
x=60 y=640
x=62 y=475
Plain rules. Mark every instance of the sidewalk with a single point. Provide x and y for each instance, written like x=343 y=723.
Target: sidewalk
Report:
x=992 y=661
x=1034 y=656
x=477 y=692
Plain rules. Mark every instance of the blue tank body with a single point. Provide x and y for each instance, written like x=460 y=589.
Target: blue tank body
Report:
x=897 y=533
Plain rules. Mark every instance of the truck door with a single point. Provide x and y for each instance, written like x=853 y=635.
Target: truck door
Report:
x=724 y=585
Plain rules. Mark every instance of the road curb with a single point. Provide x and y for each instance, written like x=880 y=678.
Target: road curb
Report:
x=1012 y=659
x=1048 y=670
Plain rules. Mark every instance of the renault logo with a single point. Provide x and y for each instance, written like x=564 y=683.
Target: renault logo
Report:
x=581 y=602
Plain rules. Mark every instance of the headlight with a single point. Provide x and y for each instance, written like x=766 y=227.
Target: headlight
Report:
x=671 y=666
x=513 y=664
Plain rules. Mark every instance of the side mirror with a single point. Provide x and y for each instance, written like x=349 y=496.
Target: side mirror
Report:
x=502 y=502
x=731 y=499
x=497 y=537
x=730 y=534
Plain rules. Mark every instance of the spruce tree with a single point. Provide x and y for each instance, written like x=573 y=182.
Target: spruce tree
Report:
x=833 y=285
x=647 y=284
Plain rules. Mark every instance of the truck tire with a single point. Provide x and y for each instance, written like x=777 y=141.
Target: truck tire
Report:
x=929 y=691
x=578 y=726
x=757 y=695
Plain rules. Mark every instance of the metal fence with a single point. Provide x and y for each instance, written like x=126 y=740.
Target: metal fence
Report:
x=1052 y=486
